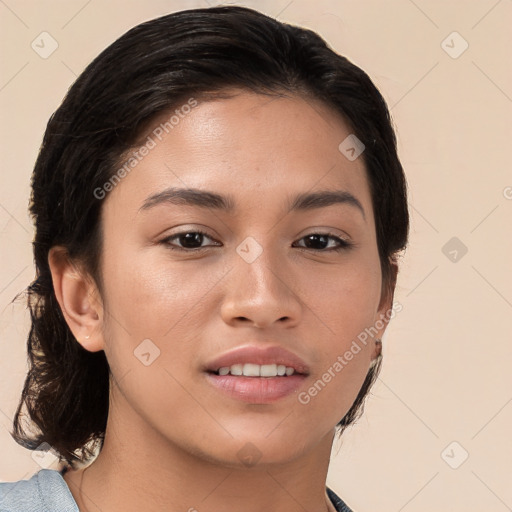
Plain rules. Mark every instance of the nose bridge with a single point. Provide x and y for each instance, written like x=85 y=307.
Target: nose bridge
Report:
x=261 y=268
x=260 y=288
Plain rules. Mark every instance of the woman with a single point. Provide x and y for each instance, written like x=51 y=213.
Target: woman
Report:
x=219 y=207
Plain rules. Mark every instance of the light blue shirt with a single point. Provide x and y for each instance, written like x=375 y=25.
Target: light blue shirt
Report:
x=47 y=491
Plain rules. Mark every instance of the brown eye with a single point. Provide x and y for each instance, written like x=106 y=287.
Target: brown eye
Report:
x=187 y=240
x=320 y=241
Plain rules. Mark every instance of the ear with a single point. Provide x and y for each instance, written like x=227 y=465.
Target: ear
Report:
x=385 y=308
x=79 y=299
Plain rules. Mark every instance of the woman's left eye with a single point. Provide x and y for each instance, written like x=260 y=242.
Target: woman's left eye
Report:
x=322 y=240
x=192 y=241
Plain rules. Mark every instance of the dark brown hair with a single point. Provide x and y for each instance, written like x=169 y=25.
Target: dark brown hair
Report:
x=146 y=72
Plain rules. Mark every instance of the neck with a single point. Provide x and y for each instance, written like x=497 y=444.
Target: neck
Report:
x=138 y=469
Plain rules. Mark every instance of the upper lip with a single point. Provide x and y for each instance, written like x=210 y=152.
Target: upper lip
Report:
x=259 y=355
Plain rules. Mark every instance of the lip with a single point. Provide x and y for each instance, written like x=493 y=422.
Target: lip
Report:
x=257 y=390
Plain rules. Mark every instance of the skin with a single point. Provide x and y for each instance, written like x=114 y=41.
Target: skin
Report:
x=172 y=439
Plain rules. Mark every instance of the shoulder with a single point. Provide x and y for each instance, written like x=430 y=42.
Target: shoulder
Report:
x=338 y=503
x=46 y=491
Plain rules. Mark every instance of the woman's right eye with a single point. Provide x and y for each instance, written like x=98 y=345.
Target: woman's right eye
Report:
x=189 y=240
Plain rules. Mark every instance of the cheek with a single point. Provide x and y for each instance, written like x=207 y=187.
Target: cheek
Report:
x=150 y=298
x=149 y=295
x=343 y=359
x=344 y=306
x=151 y=314
x=344 y=298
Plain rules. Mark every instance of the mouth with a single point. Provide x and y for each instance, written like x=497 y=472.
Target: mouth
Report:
x=257 y=375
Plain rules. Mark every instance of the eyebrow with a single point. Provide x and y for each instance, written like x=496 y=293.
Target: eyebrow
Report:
x=213 y=200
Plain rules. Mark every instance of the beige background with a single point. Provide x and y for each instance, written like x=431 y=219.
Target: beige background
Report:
x=446 y=374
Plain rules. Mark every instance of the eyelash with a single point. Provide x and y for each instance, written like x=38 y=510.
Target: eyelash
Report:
x=343 y=244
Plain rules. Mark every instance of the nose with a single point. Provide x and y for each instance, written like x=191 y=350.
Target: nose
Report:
x=261 y=293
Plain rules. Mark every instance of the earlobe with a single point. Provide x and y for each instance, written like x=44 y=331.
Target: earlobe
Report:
x=377 y=350
x=78 y=298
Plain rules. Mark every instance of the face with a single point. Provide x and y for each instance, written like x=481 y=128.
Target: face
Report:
x=270 y=282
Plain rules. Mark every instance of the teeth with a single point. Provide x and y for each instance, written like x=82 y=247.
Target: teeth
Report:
x=256 y=370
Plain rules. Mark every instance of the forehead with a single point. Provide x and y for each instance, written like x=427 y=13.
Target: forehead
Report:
x=251 y=147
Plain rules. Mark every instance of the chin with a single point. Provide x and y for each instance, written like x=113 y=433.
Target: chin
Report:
x=259 y=450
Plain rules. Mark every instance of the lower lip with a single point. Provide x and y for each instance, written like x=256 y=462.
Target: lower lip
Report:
x=257 y=390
